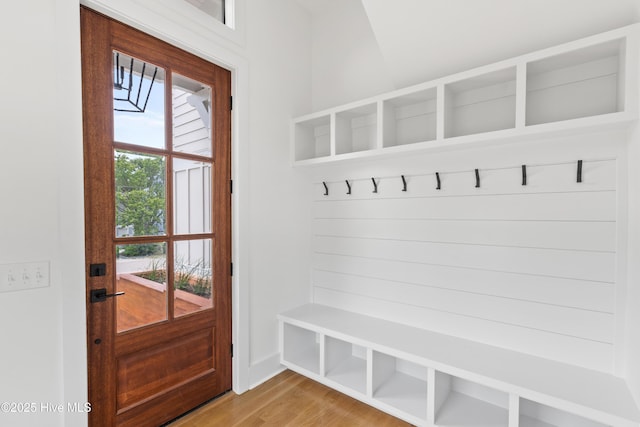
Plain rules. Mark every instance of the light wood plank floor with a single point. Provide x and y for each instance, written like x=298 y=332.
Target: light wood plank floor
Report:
x=288 y=399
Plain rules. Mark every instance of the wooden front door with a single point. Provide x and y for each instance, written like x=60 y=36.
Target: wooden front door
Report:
x=158 y=225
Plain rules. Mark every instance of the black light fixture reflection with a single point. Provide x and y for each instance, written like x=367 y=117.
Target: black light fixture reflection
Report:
x=119 y=84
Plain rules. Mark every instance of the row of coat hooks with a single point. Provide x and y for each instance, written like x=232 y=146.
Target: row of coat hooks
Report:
x=439 y=182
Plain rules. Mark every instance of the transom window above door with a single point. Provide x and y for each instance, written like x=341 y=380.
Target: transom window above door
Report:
x=219 y=9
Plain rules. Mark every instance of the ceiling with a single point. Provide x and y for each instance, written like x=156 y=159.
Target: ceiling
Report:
x=424 y=39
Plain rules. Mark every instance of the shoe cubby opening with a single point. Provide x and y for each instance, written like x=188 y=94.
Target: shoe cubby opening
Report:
x=301 y=347
x=400 y=384
x=346 y=364
x=463 y=403
x=533 y=414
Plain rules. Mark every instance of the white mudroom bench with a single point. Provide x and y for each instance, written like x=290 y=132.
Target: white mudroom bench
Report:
x=428 y=378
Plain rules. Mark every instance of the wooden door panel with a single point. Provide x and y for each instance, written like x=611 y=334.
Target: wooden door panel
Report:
x=144 y=338
x=167 y=406
x=138 y=380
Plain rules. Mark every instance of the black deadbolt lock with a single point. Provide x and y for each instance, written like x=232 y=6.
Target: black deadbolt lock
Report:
x=97 y=270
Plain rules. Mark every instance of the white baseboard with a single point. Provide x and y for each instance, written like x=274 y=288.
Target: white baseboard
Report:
x=264 y=370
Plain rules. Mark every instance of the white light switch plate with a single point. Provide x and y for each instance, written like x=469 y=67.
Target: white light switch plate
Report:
x=21 y=276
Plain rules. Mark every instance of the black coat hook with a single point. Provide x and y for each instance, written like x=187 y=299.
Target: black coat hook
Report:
x=477 y=179
x=579 y=178
x=326 y=189
x=375 y=185
x=524 y=174
x=438 y=181
x=348 y=186
x=404 y=183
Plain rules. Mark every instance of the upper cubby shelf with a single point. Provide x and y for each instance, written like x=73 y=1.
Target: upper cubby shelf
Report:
x=578 y=85
x=481 y=103
x=356 y=129
x=312 y=138
x=409 y=118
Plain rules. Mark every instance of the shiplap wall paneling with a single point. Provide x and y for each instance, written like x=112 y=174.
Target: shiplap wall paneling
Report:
x=578 y=294
x=530 y=268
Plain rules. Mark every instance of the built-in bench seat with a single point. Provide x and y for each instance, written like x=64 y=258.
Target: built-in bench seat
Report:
x=427 y=378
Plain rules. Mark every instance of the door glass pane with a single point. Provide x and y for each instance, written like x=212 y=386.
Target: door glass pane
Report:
x=191 y=116
x=141 y=274
x=191 y=196
x=140 y=194
x=138 y=101
x=193 y=276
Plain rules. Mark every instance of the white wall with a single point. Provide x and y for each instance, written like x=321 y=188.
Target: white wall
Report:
x=43 y=341
x=440 y=38
x=278 y=37
x=347 y=64
x=365 y=47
